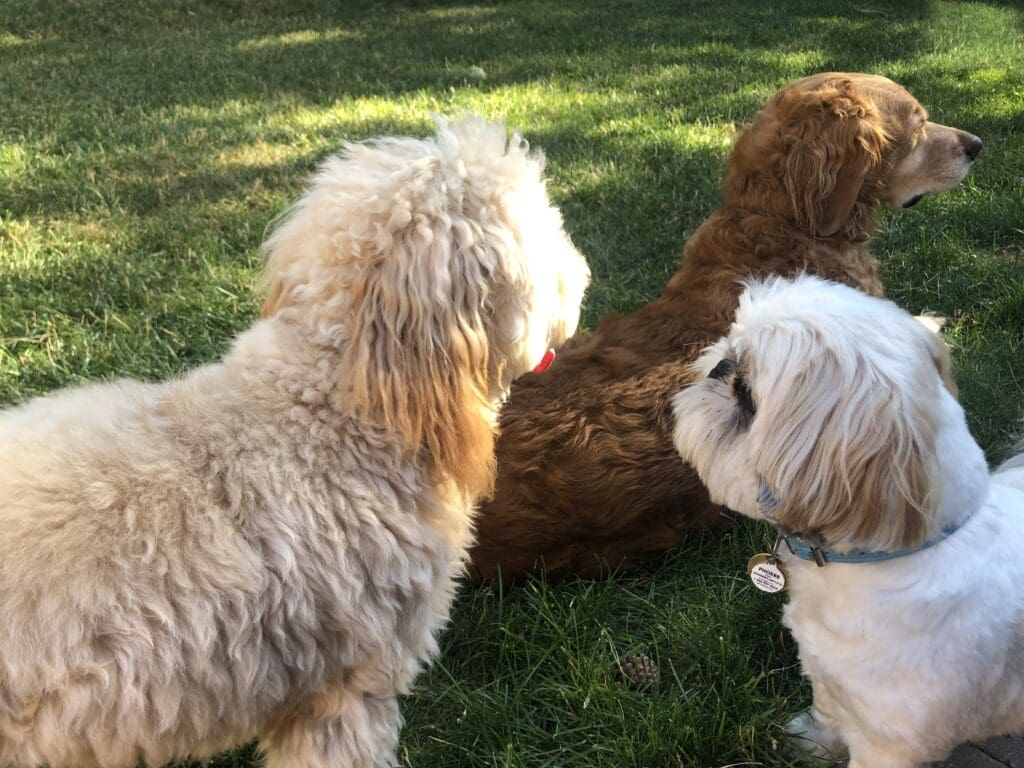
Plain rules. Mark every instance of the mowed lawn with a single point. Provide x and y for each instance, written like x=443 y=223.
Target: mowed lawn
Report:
x=146 y=146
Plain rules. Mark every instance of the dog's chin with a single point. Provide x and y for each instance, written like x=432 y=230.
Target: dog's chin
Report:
x=738 y=492
x=907 y=195
x=706 y=438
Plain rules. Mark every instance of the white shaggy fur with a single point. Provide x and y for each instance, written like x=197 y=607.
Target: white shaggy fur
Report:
x=266 y=546
x=906 y=657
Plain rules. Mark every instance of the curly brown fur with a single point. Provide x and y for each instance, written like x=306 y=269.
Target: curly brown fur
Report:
x=587 y=473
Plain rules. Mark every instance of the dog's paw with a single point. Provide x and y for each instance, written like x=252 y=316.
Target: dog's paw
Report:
x=934 y=323
x=809 y=738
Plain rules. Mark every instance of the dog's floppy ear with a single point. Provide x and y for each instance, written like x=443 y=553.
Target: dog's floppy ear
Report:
x=833 y=138
x=378 y=257
x=418 y=358
x=851 y=460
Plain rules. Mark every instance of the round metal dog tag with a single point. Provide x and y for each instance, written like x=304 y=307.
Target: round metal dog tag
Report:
x=767 y=573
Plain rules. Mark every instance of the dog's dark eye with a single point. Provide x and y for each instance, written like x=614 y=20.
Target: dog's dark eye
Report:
x=743 y=396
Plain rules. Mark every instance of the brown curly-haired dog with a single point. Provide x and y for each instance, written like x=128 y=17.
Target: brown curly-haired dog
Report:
x=587 y=473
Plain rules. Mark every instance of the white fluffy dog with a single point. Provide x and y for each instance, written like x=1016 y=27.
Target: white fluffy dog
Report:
x=826 y=413
x=266 y=546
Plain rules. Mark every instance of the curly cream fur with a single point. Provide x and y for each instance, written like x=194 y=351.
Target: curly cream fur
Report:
x=266 y=546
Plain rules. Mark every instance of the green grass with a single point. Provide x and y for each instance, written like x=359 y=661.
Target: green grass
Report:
x=145 y=147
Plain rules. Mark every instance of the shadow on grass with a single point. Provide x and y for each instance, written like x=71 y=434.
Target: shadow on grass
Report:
x=106 y=57
x=554 y=678
x=130 y=91
x=139 y=94
x=104 y=51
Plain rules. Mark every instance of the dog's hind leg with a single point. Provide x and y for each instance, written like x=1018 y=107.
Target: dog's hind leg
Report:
x=347 y=728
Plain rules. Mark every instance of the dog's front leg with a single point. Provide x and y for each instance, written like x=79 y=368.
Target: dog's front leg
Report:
x=810 y=733
x=877 y=749
x=347 y=728
x=815 y=731
x=880 y=759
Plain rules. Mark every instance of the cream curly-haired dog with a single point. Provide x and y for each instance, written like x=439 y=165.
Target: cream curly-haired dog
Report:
x=266 y=546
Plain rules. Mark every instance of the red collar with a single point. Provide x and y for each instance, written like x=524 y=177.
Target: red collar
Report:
x=545 y=362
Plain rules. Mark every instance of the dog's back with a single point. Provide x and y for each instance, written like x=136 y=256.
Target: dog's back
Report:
x=587 y=474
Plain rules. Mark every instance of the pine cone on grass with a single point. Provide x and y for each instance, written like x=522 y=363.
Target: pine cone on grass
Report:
x=638 y=670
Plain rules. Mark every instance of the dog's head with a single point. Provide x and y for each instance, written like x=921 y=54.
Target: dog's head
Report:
x=826 y=412
x=827 y=149
x=442 y=270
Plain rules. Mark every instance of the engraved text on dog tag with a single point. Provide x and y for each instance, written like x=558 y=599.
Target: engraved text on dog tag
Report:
x=767 y=573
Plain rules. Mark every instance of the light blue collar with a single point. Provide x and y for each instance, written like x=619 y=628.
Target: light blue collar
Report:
x=821 y=556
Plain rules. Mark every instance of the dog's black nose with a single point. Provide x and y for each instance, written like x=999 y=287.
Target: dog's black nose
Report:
x=972 y=145
x=723 y=369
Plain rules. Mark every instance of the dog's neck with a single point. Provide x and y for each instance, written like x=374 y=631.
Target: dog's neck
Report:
x=858 y=228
